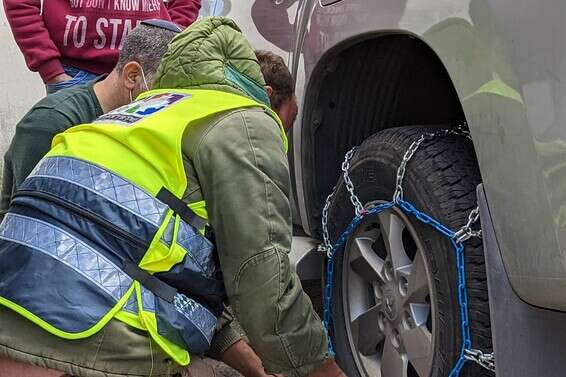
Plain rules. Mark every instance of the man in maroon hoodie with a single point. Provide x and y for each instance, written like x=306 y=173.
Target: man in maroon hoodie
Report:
x=71 y=42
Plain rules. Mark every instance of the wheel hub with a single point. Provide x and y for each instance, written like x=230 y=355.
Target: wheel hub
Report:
x=389 y=305
x=391 y=329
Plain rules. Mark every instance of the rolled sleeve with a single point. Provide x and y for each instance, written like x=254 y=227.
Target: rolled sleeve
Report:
x=226 y=335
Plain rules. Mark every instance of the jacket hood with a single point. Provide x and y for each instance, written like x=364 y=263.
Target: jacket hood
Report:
x=212 y=54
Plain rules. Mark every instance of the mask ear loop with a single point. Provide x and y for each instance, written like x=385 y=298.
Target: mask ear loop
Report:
x=144 y=80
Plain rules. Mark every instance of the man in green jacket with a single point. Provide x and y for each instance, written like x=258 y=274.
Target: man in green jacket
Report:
x=236 y=163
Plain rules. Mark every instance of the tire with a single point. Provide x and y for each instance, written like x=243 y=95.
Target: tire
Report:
x=440 y=180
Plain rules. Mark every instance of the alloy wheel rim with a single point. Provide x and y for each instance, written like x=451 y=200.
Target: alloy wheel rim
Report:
x=389 y=298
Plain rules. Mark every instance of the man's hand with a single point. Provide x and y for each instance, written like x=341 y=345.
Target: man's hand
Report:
x=59 y=78
x=328 y=369
x=243 y=358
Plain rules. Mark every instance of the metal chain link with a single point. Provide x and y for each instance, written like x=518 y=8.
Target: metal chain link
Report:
x=398 y=195
x=486 y=360
x=458 y=131
x=358 y=206
x=326 y=247
x=466 y=232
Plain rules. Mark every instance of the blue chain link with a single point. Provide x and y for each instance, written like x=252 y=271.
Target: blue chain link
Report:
x=460 y=266
x=326 y=315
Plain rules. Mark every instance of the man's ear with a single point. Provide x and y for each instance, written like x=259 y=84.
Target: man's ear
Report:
x=130 y=74
x=269 y=90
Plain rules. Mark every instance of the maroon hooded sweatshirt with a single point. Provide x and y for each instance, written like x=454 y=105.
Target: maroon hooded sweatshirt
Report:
x=85 y=34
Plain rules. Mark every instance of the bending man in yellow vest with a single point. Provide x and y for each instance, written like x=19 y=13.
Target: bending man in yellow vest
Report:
x=104 y=268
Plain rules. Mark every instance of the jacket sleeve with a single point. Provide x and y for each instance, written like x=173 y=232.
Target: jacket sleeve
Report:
x=40 y=53
x=28 y=146
x=183 y=12
x=31 y=143
x=244 y=176
x=7 y=187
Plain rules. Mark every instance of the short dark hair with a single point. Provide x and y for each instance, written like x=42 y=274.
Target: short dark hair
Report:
x=276 y=75
x=145 y=44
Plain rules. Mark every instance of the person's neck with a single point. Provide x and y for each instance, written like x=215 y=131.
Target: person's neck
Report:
x=108 y=93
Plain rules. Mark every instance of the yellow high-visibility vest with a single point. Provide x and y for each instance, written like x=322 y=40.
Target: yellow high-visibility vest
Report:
x=98 y=231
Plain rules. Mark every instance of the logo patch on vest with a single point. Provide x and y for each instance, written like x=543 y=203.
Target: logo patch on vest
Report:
x=137 y=110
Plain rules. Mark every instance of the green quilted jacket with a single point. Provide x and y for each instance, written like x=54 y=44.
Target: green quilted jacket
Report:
x=237 y=163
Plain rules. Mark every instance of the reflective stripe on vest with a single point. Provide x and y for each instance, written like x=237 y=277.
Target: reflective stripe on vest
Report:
x=64 y=247
x=94 y=195
x=104 y=183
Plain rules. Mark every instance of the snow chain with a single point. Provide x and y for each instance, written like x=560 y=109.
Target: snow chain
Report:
x=457 y=238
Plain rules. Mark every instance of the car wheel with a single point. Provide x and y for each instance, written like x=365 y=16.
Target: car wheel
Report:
x=395 y=308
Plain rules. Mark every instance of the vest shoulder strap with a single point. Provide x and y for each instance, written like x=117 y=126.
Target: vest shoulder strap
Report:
x=180 y=208
x=153 y=284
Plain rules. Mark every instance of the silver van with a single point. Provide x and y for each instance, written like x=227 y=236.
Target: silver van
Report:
x=379 y=74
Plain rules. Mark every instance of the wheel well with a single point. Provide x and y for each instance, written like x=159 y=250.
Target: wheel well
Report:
x=363 y=87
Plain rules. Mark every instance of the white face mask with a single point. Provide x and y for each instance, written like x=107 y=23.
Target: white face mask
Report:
x=144 y=82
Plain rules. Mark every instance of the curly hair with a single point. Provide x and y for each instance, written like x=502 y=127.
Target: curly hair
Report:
x=276 y=75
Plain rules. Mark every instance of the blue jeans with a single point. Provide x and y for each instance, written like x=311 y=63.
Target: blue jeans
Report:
x=79 y=77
